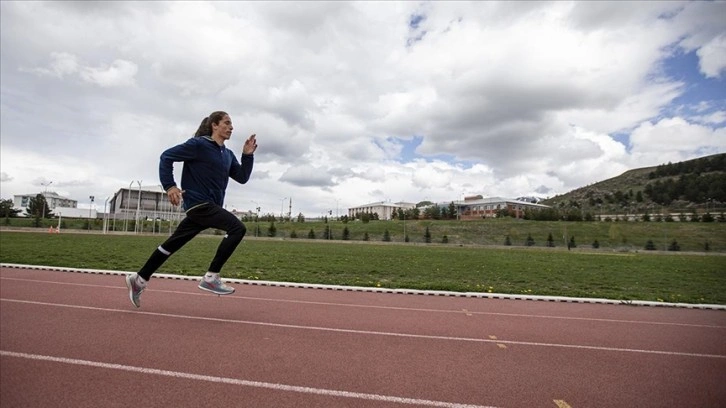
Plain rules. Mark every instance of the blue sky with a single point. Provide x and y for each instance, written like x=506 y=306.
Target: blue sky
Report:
x=358 y=102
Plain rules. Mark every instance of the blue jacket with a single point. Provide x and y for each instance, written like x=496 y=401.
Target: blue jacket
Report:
x=207 y=170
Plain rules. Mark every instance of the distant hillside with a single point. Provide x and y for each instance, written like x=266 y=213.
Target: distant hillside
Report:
x=693 y=185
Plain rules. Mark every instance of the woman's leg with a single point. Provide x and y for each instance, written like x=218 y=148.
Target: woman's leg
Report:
x=214 y=216
x=186 y=230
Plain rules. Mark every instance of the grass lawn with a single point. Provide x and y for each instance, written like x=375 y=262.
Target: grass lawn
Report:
x=641 y=275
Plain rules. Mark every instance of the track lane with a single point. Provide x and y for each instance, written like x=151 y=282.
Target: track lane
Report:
x=102 y=327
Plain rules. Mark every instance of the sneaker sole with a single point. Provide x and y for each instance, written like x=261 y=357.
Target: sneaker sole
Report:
x=215 y=292
x=131 y=290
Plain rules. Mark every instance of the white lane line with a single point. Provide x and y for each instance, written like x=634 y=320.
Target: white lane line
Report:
x=369 y=332
x=243 y=383
x=411 y=309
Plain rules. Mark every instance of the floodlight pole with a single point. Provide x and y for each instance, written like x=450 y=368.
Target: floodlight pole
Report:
x=138 y=208
x=257 y=218
x=128 y=206
x=45 y=193
x=105 y=215
x=89 y=211
x=282 y=203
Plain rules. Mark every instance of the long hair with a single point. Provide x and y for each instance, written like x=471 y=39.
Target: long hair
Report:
x=205 y=128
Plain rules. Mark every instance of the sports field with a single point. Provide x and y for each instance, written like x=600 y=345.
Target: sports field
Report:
x=637 y=275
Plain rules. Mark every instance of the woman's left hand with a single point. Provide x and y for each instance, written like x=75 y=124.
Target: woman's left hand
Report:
x=250 y=145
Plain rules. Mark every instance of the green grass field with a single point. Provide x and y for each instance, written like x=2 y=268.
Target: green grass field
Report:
x=622 y=275
x=620 y=236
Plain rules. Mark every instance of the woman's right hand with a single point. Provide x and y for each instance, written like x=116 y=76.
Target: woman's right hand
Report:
x=175 y=195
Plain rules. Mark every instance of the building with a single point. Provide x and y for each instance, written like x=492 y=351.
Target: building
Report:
x=471 y=208
x=477 y=207
x=74 y=212
x=54 y=201
x=384 y=209
x=143 y=202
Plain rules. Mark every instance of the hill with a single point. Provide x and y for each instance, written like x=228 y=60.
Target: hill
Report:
x=697 y=185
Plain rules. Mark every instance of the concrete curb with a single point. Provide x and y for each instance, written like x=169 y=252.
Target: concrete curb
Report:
x=388 y=290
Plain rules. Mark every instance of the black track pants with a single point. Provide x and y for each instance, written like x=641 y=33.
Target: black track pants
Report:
x=197 y=220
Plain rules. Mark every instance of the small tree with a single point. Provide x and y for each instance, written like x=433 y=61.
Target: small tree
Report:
x=550 y=241
x=427 y=235
x=272 y=230
x=386 y=236
x=529 y=241
x=596 y=244
x=445 y=240
x=650 y=246
x=572 y=242
x=366 y=237
x=346 y=234
x=38 y=207
x=674 y=246
x=7 y=210
x=507 y=241
x=311 y=234
x=293 y=234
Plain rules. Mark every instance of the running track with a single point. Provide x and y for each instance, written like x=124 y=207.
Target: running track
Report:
x=74 y=340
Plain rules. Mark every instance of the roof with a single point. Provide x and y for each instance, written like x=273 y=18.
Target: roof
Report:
x=385 y=204
x=495 y=200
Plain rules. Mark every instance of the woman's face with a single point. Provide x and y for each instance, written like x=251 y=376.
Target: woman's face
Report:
x=224 y=128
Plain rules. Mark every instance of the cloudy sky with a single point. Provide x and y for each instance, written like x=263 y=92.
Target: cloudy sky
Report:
x=357 y=102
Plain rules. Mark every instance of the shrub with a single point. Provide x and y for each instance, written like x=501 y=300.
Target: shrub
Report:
x=674 y=246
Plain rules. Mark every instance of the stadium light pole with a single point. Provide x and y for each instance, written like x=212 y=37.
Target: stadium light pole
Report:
x=257 y=218
x=89 y=211
x=45 y=193
x=105 y=215
x=128 y=206
x=282 y=204
x=403 y=215
x=138 y=208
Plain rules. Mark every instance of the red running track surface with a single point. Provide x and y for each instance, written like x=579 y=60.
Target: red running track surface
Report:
x=75 y=340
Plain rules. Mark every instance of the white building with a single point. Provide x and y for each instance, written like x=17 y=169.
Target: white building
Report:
x=384 y=209
x=471 y=208
x=74 y=212
x=144 y=202
x=477 y=207
x=21 y=202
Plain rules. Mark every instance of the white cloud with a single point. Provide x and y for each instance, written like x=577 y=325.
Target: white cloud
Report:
x=507 y=98
x=713 y=57
x=118 y=73
x=714 y=118
x=62 y=64
x=673 y=140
